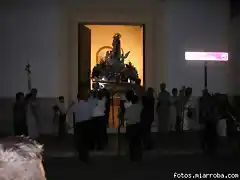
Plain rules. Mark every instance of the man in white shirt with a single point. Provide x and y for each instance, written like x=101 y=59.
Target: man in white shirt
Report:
x=163 y=109
x=132 y=115
x=82 y=115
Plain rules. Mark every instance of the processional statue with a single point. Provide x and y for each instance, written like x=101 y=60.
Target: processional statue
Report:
x=112 y=72
x=116 y=45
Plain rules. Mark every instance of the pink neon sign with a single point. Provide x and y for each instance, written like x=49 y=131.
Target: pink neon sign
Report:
x=206 y=56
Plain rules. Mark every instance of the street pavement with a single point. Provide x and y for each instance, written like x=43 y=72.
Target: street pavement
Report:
x=175 y=153
x=151 y=168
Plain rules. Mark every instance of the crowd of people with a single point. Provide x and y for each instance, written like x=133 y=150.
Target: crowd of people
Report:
x=21 y=157
x=175 y=112
x=25 y=115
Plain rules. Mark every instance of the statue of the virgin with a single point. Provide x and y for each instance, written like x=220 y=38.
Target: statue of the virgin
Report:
x=116 y=46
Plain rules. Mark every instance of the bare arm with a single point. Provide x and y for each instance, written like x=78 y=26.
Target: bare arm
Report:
x=70 y=107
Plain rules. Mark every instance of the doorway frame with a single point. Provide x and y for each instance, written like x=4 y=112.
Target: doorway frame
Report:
x=143 y=25
x=115 y=16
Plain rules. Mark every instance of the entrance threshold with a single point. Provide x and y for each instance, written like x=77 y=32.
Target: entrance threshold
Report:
x=123 y=130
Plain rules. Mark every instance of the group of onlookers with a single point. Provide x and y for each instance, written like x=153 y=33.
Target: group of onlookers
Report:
x=20 y=157
x=90 y=119
x=220 y=121
x=175 y=112
x=25 y=112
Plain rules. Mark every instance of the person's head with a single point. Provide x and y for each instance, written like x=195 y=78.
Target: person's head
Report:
x=150 y=92
x=162 y=86
x=135 y=99
x=188 y=92
x=61 y=99
x=21 y=159
x=174 y=91
x=34 y=92
x=130 y=95
x=205 y=93
x=19 y=97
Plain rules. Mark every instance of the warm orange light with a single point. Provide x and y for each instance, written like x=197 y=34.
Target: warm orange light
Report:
x=131 y=40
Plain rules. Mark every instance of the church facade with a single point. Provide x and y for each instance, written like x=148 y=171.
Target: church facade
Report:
x=44 y=33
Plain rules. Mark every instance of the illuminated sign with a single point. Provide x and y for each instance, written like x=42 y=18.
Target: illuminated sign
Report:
x=206 y=56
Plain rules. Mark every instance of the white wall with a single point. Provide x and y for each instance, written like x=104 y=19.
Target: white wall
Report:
x=108 y=11
x=30 y=31
x=235 y=54
x=45 y=34
x=199 y=25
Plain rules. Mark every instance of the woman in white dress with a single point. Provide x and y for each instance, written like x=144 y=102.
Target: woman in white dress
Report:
x=189 y=111
x=173 y=109
x=163 y=109
x=32 y=115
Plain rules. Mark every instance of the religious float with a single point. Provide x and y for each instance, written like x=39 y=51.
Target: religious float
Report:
x=114 y=74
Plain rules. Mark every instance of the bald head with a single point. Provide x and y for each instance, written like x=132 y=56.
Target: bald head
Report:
x=20 y=159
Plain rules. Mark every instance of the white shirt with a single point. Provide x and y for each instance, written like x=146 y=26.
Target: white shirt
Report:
x=127 y=104
x=82 y=110
x=133 y=113
x=99 y=109
x=164 y=98
x=61 y=107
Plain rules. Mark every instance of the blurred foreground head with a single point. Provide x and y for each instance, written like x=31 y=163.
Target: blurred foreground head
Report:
x=20 y=159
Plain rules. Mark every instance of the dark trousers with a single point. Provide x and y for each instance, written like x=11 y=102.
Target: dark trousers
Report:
x=105 y=125
x=62 y=126
x=209 y=138
x=100 y=132
x=20 y=128
x=146 y=134
x=135 y=143
x=83 y=139
x=178 y=125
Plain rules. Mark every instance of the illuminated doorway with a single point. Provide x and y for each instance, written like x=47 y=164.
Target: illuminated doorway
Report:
x=101 y=37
